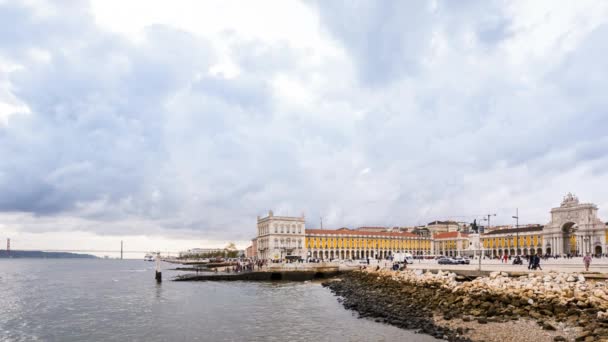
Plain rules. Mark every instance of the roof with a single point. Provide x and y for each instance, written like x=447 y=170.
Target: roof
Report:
x=514 y=230
x=357 y=232
x=441 y=222
x=450 y=235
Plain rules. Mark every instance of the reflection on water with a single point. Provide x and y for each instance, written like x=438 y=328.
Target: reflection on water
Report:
x=113 y=300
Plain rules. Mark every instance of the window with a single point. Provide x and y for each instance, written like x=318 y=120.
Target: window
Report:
x=275 y=228
x=282 y=227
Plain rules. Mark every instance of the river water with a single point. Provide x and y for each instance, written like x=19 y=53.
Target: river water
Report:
x=118 y=300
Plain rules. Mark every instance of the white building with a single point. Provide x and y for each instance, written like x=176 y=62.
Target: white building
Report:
x=281 y=236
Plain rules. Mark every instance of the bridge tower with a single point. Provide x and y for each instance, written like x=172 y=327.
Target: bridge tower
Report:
x=8 y=247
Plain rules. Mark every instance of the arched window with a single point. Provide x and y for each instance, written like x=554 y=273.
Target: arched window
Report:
x=276 y=243
x=299 y=229
x=282 y=227
x=275 y=228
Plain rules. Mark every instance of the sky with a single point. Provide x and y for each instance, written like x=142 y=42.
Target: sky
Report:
x=173 y=125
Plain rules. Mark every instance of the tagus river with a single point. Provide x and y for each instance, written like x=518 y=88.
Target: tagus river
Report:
x=114 y=300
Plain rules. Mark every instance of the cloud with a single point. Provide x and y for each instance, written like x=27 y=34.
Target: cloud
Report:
x=420 y=111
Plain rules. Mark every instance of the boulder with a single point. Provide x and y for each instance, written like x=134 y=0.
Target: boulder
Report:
x=549 y=326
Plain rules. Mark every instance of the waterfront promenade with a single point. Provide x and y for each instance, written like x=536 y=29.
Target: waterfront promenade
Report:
x=550 y=265
x=598 y=265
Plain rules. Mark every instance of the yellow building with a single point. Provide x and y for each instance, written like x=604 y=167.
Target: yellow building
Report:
x=451 y=244
x=513 y=241
x=345 y=243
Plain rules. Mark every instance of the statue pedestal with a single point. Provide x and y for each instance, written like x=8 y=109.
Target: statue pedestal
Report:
x=475 y=245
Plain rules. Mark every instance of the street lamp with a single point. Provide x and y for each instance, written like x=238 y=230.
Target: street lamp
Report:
x=516 y=217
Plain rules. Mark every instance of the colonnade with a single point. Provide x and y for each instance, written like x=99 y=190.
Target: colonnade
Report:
x=341 y=254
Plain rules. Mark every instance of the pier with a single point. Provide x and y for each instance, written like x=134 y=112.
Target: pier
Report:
x=290 y=272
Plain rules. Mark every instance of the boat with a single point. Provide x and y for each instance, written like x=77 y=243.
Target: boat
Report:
x=149 y=257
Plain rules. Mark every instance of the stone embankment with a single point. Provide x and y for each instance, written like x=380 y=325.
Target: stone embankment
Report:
x=565 y=306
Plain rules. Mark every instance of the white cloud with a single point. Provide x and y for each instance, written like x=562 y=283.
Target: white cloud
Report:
x=190 y=118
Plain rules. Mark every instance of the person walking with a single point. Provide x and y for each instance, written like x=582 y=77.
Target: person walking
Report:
x=536 y=263
x=531 y=261
x=587 y=261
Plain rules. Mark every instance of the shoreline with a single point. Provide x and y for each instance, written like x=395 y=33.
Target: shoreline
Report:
x=547 y=307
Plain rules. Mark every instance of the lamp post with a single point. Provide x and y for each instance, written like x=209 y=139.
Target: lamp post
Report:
x=479 y=247
x=516 y=217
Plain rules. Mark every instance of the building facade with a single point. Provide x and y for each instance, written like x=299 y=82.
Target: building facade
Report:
x=280 y=236
x=513 y=241
x=252 y=251
x=574 y=229
x=451 y=244
x=443 y=227
x=346 y=243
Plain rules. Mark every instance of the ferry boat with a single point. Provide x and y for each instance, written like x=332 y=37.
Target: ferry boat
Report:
x=149 y=257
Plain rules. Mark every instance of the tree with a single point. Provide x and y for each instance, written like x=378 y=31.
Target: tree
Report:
x=230 y=247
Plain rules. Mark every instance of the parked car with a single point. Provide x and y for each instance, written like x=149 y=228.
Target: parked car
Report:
x=446 y=261
x=462 y=261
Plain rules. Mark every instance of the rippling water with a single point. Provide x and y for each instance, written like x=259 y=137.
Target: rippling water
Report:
x=114 y=300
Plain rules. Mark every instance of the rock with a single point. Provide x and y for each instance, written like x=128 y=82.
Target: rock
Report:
x=549 y=326
x=530 y=301
x=571 y=279
x=559 y=338
x=476 y=312
x=583 y=336
x=482 y=321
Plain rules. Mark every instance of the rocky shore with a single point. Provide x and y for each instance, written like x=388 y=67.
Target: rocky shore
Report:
x=549 y=307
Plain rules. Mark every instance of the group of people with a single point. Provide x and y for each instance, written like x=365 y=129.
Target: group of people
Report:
x=534 y=262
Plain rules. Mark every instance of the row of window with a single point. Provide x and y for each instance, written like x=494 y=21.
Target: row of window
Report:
x=451 y=244
x=280 y=228
x=510 y=241
x=288 y=243
x=366 y=243
x=286 y=228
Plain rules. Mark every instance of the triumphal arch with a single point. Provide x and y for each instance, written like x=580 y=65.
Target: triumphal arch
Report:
x=574 y=229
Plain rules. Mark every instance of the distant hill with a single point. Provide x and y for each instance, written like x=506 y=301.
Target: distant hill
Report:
x=45 y=255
